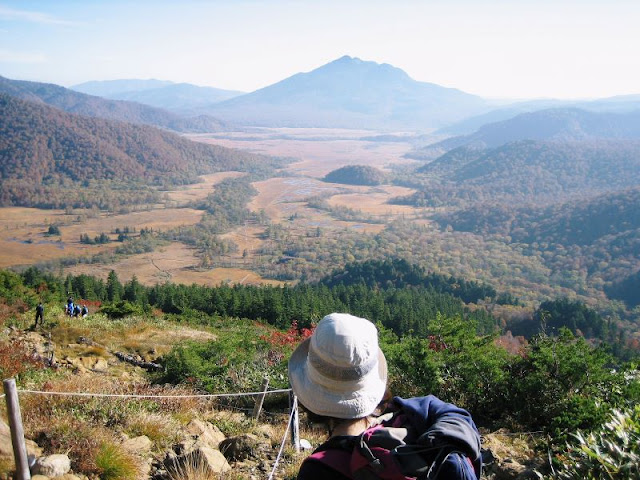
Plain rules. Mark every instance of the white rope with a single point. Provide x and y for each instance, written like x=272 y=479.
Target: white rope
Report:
x=294 y=407
x=204 y=395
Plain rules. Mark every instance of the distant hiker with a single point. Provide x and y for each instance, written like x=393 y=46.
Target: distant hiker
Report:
x=76 y=310
x=85 y=311
x=339 y=374
x=69 y=309
x=39 y=315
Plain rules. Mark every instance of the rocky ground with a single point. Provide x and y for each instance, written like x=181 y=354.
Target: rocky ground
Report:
x=200 y=449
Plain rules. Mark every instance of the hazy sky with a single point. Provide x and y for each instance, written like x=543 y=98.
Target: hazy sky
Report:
x=509 y=48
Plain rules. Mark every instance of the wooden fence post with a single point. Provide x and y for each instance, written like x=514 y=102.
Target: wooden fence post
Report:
x=17 y=431
x=260 y=400
x=295 y=425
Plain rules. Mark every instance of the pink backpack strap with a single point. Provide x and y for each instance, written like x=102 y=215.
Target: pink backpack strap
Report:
x=335 y=458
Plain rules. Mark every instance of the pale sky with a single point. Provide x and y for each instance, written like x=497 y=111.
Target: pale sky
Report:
x=503 y=49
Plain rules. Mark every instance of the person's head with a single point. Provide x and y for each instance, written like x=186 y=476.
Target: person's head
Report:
x=340 y=371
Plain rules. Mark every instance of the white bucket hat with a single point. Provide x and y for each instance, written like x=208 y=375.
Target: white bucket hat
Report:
x=340 y=371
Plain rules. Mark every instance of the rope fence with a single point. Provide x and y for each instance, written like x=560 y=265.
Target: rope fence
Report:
x=15 y=420
x=294 y=411
x=118 y=395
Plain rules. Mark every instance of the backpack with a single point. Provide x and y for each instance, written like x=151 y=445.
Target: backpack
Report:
x=423 y=438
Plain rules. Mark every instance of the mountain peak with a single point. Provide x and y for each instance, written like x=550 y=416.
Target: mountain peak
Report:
x=348 y=62
x=351 y=93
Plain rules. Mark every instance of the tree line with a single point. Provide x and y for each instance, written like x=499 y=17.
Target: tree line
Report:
x=405 y=306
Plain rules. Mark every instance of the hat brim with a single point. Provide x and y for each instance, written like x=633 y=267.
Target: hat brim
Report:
x=337 y=402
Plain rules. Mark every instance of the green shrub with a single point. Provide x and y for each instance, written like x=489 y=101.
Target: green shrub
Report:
x=611 y=452
x=561 y=383
x=237 y=361
x=451 y=362
x=121 y=309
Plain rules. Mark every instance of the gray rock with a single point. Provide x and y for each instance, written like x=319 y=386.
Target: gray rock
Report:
x=205 y=458
x=6 y=448
x=240 y=447
x=207 y=434
x=139 y=445
x=100 y=365
x=52 y=466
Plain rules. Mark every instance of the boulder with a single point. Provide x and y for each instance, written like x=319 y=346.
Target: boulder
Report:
x=138 y=445
x=240 y=447
x=528 y=474
x=6 y=448
x=205 y=458
x=207 y=435
x=52 y=466
x=508 y=469
x=100 y=365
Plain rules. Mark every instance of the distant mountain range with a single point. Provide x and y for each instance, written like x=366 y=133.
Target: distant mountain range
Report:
x=558 y=124
x=618 y=104
x=113 y=88
x=351 y=93
x=83 y=104
x=345 y=93
x=181 y=98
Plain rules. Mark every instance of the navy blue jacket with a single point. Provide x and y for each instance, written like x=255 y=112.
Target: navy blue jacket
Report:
x=434 y=425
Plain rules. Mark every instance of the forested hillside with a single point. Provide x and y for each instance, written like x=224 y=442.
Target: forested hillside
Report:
x=130 y=112
x=45 y=151
x=626 y=289
x=527 y=172
x=599 y=237
x=356 y=175
x=398 y=273
x=573 y=223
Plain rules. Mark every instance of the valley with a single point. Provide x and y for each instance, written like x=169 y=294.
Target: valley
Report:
x=296 y=226
x=24 y=241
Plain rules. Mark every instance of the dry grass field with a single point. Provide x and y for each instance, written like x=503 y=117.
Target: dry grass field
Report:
x=373 y=201
x=174 y=263
x=22 y=230
x=278 y=197
x=248 y=237
x=319 y=150
x=23 y=239
x=199 y=191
